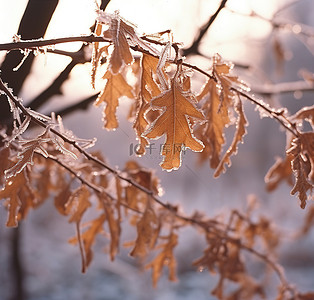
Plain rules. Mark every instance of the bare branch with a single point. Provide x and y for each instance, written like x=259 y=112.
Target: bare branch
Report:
x=35 y=44
x=283 y=88
x=278 y=115
x=81 y=105
x=194 y=48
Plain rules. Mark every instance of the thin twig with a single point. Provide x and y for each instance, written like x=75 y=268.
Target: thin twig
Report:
x=194 y=48
x=35 y=44
x=81 y=105
x=77 y=175
x=277 y=115
x=283 y=88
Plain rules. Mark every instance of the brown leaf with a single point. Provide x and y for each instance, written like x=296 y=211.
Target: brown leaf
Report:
x=149 y=89
x=307 y=144
x=145 y=177
x=115 y=230
x=4 y=162
x=302 y=186
x=88 y=239
x=97 y=54
x=217 y=107
x=77 y=204
x=116 y=87
x=174 y=122
x=217 y=117
x=135 y=198
x=238 y=138
x=147 y=232
x=280 y=171
x=122 y=34
x=20 y=198
x=62 y=198
x=164 y=258
x=118 y=32
x=306 y=113
x=300 y=147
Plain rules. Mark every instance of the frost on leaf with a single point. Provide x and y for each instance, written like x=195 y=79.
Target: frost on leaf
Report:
x=118 y=32
x=302 y=166
x=280 y=171
x=175 y=123
x=218 y=104
x=97 y=54
x=238 y=138
x=164 y=258
x=217 y=117
x=122 y=34
x=306 y=113
x=116 y=87
x=149 y=89
x=25 y=157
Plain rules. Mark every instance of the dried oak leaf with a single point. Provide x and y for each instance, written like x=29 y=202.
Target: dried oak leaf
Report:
x=177 y=110
x=147 y=232
x=222 y=258
x=218 y=103
x=97 y=54
x=88 y=239
x=75 y=207
x=164 y=258
x=116 y=87
x=4 y=162
x=307 y=144
x=115 y=230
x=135 y=198
x=46 y=177
x=302 y=148
x=217 y=117
x=123 y=35
x=62 y=197
x=238 y=138
x=148 y=90
x=280 y=171
x=77 y=204
x=118 y=32
x=306 y=113
x=25 y=156
x=20 y=198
